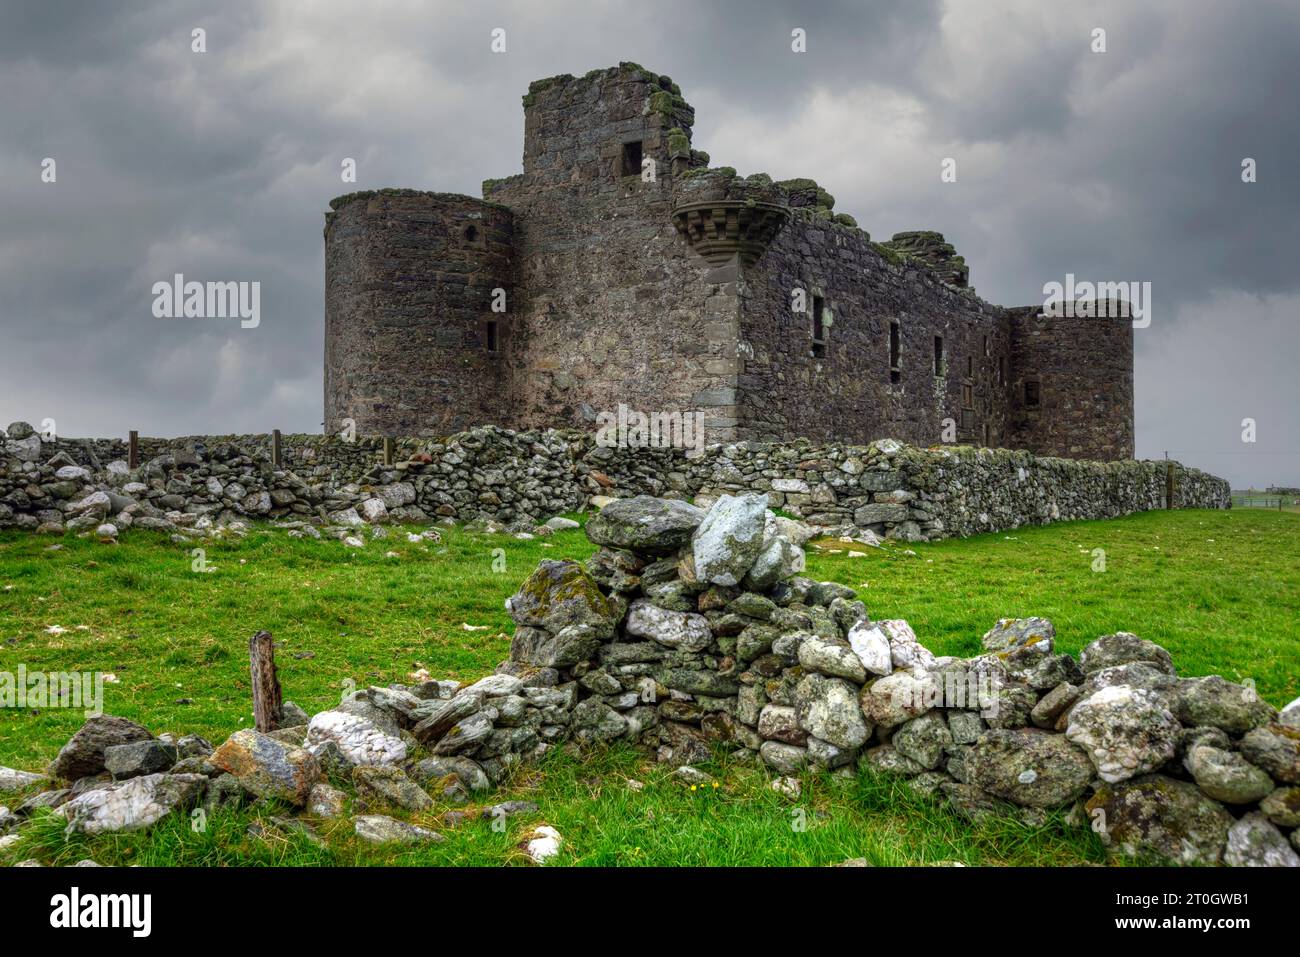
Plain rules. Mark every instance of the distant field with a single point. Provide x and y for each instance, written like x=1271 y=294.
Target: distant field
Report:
x=1220 y=590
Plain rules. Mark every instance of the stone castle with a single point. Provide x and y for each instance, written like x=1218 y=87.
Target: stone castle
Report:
x=620 y=269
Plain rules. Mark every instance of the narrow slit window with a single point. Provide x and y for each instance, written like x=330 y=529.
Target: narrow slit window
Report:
x=970 y=367
x=819 y=327
x=491 y=336
x=1033 y=394
x=967 y=397
x=938 y=355
x=895 y=357
x=632 y=158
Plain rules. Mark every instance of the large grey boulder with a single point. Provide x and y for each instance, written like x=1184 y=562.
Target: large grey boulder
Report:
x=925 y=739
x=1029 y=767
x=560 y=594
x=1282 y=806
x=133 y=804
x=1276 y=749
x=1158 y=816
x=1123 y=648
x=686 y=631
x=778 y=558
x=83 y=755
x=896 y=698
x=1226 y=776
x=653 y=526
x=1219 y=703
x=1014 y=633
x=833 y=657
x=267 y=767
x=379 y=785
x=730 y=538
x=596 y=722
x=139 y=758
x=828 y=709
x=1126 y=732
x=379 y=829
x=1254 y=842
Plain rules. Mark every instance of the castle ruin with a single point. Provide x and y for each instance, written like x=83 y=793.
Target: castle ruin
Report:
x=619 y=269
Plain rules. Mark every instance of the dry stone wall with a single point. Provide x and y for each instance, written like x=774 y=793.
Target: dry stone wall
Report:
x=519 y=479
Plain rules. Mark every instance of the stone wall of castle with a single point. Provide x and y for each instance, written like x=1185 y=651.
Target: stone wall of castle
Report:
x=612 y=298
x=409 y=345
x=612 y=307
x=855 y=388
x=1082 y=372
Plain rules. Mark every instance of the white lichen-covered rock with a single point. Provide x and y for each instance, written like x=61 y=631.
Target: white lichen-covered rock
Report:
x=360 y=740
x=1290 y=715
x=675 y=629
x=871 y=646
x=1254 y=841
x=778 y=557
x=828 y=709
x=729 y=540
x=831 y=657
x=543 y=844
x=905 y=650
x=1126 y=731
x=133 y=804
x=374 y=511
x=896 y=698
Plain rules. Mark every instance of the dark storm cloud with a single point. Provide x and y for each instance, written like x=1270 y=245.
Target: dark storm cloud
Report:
x=1122 y=165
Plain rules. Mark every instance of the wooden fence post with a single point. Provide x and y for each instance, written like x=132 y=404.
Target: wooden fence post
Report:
x=266 y=684
x=133 y=449
x=388 y=450
x=1169 y=484
x=275 y=447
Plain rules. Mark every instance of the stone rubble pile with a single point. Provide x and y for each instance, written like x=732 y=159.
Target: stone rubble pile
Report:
x=690 y=630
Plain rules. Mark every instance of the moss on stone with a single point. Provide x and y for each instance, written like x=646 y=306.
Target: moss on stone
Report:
x=844 y=219
x=679 y=144
x=890 y=254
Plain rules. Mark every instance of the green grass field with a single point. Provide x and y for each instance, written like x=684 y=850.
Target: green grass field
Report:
x=1220 y=590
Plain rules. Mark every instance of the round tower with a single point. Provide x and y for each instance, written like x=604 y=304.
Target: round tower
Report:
x=417 y=312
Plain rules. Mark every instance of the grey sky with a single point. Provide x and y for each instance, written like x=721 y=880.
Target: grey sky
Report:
x=1116 y=165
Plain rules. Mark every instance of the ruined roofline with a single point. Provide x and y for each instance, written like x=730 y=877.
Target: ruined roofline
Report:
x=338 y=202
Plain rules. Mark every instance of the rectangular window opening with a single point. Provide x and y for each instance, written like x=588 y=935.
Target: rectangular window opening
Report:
x=895 y=354
x=1033 y=394
x=491 y=337
x=938 y=355
x=970 y=367
x=819 y=327
x=632 y=158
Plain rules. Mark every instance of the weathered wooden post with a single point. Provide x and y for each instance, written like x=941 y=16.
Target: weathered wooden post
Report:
x=1169 y=484
x=266 y=685
x=133 y=449
x=389 y=448
x=275 y=447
